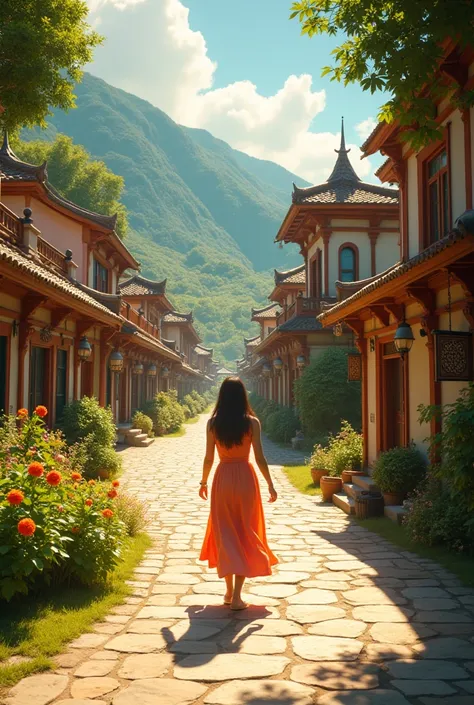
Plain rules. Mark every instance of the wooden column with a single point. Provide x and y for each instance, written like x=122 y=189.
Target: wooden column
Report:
x=103 y=373
x=362 y=346
x=466 y=117
x=326 y=236
x=373 y=253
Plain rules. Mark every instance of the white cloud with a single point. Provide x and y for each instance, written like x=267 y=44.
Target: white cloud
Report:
x=366 y=127
x=152 y=51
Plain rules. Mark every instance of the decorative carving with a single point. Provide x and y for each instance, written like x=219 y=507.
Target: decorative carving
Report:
x=46 y=334
x=463 y=272
x=424 y=296
x=59 y=315
x=354 y=367
x=453 y=355
x=396 y=310
x=468 y=311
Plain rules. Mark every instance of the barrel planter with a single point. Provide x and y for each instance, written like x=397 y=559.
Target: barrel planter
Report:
x=317 y=474
x=393 y=498
x=369 y=504
x=329 y=486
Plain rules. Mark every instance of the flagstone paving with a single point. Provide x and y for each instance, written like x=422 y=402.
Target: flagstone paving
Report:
x=346 y=618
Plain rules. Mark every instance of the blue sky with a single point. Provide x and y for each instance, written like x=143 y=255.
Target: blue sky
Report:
x=241 y=70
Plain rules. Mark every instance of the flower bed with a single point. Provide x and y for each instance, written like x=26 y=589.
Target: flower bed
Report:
x=54 y=524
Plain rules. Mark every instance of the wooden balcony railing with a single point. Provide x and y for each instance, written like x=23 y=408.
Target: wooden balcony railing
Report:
x=302 y=306
x=10 y=225
x=51 y=257
x=134 y=316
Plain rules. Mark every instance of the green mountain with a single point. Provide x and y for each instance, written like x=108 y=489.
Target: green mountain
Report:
x=201 y=214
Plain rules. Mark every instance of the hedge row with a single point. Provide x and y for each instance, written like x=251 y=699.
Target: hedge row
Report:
x=280 y=423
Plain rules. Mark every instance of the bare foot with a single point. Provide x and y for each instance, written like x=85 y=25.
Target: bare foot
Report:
x=238 y=605
x=228 y=598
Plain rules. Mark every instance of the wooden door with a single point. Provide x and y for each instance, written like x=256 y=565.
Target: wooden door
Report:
x=38 y=373
x=393 y=403
x=61 y=382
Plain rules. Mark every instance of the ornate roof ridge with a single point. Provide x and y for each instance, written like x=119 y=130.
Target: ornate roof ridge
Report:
x=150 y=283
x=256 y=311
x=199 y=345
x=281 y=276
x=250 y=340
x=184 y=316
x=40 y=173
x=111 y=301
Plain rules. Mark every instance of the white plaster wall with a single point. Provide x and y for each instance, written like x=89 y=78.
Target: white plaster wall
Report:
x=13 y=375
x=419 y=387
x=458 y=181
x=62 y=232
x=14 y=203
x=362 y=242
x=387 y=251
x=12 y=303
x=412 y=185
x=389 y=224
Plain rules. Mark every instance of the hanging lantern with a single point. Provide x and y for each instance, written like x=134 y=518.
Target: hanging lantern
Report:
x=84 y=349
x=116 y=361
x=354 y=367
x=266 y=370
x=165 y=372
x=151 y=371
x=403 y=338
x=337 y=330
x=300 y=362
x=278 y=365
x=137 y=369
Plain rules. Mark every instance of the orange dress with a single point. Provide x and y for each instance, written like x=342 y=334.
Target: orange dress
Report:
x=235 y=542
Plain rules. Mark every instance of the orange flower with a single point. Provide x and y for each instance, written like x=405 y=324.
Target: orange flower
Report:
x=76 y=476
x=88 y=503
x=91 y=482
x=60 y=508
x=75 y=529
x=22 y=413
x=26 y=527
x=107 y=513
x=15 y=497
x=41 y=411
x=35 y=469
x=53 y=478
x=115 y=483
x=112 y=494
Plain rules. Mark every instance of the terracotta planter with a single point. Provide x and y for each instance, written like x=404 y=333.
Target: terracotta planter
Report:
x=393 y=498
x=317 y=474
x=348 y=474
x=329 y=486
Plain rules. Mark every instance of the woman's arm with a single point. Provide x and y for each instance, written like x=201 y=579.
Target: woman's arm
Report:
x=208 y=461
x=260 y=458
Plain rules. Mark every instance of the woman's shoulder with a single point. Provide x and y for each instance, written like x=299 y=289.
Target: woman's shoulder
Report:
x=254 y=421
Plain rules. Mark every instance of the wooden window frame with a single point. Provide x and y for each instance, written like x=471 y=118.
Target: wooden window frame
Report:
x=424 y=158
x=97 y=262
x=355 y=249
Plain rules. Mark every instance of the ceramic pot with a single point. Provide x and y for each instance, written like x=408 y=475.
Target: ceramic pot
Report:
x=393 y=498
x=317 y=474
x=329 y=486
x=348 y=474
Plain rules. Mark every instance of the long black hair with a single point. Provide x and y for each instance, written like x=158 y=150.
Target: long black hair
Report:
x=230 y=420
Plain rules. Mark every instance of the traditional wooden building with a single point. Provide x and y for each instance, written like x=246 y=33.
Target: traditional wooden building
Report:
x=345 y=229
x=68 y=327
x=414 y=323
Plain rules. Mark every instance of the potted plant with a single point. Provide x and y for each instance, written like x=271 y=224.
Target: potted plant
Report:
x=346 y=452
x=397 y=472
x=319 y=463
x=330 y=484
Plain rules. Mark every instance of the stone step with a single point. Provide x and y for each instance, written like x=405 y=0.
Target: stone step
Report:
x=364 y=482
x=133 y=432
x=351 y=490
x=395 y=513
x=347 y=504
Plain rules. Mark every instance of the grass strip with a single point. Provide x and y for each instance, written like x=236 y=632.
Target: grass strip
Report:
x=300 y=477
x=461 y=565
x=38 y=626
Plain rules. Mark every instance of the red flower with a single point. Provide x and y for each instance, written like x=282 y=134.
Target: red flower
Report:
x=26 y=527
x=115 y=483
x=60 y=508
x=88 y=503
x=112 y=494
x=53 y=478
x=107 y=513
x=35 y=469
x=76 y=476
x=41 y=411
x=75 y=529
x=91 y=482
x=15 y=497
x=22 y=413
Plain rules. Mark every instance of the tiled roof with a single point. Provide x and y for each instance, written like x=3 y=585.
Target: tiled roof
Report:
x=464 y=227
x=297 y=275
x=175 y=317
x=344 y=186
x=224 y=371
x=252 y=342
x=346 y=289
x=140 y=335
x=306 y=323
x=171 y=344
x=269 y=311
x=14 y=258
x=202 y=352
x=13 y=169
x=139 y=286
x=203 y=347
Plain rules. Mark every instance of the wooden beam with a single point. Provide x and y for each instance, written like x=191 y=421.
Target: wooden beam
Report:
x=396 y=310
x=30 y=303
x=58 y=315
x=463 y=272
x=380 y=312
x=424 y=296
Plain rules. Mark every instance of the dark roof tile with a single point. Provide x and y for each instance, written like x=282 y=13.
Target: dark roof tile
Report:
x=139 y=286
x=297 y=275
x=269 y=311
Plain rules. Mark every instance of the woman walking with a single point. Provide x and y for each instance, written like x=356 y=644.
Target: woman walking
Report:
x=235 y=542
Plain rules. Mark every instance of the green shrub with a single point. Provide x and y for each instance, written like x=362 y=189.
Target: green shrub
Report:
x=87 y=423
x=188 y=414
x=143 y=422
x=192 y=405
x=452 y=450
x=437 y=516
x=325 y=397
x=399 y=470
x=166 y=413
x=199 y=400
x=132 y=512
x=345 y=450
x=282 y=424
x=320 y=459
x=54 y=525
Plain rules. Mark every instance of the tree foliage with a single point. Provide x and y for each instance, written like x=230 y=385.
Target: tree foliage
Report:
x=393 y=46
x=78 y=177
x=43 y=46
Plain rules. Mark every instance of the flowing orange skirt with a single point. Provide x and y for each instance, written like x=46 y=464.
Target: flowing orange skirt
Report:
x=235 y=542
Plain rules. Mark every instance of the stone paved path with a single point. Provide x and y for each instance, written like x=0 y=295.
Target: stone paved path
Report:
x=346 y=619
